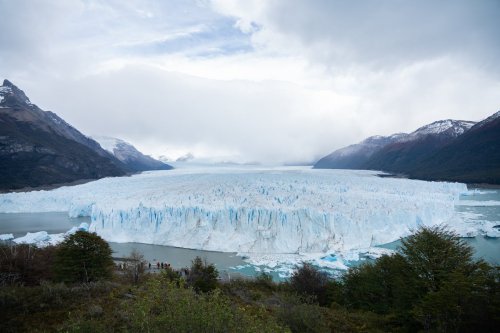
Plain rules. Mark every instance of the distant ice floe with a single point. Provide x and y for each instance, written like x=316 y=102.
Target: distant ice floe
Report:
x=475 y=191
x=478 y=228
x=6 y=237
x=478 y=203
x=42 y=238
x=472 y=224
x=272 y=215
x=285 y=264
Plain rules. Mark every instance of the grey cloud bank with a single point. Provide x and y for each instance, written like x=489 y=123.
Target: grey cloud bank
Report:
x=274 y=81
x=385 y=34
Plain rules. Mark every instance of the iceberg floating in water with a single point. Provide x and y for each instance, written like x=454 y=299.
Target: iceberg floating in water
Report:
x=39 y=237
x=6 y=237
x=252 y=210
x=42 y=238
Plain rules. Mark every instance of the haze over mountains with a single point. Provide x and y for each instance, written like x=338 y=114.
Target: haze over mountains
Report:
x=452 y=150
x=39 y=148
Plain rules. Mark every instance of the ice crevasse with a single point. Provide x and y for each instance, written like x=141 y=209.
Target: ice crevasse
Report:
x=252 y=210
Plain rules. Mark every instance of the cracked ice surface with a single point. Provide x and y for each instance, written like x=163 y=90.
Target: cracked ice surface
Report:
x=249 y=210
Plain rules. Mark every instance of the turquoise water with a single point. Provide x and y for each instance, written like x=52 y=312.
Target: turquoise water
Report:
x=484 y=248
x=484 y=206
x=488 y=213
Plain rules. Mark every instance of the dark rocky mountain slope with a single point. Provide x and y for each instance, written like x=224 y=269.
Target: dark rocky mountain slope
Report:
x=405 y=154
x=39 y=148
x=473 y=157
x=396 y=152
x=450 y=150
x=355 y=156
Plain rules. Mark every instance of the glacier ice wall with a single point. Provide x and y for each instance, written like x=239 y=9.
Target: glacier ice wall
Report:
x=288 y=210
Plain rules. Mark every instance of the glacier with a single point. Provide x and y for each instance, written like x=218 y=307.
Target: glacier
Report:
x=252 y=210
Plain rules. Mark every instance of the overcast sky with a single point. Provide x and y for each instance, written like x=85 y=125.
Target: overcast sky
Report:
x=265 y=80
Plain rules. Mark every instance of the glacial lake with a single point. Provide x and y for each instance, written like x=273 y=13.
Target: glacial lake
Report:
x=485 y=248
x=230 y=263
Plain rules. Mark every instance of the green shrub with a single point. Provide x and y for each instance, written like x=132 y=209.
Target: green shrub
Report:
x=26 y=264
x=171 y=275
x=265 y=281
x=432 y=284
x=43 y=308
x=164 y=307
x=302 y=318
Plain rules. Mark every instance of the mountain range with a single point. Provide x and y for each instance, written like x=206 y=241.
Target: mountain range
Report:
x=129 y=155
x=39 y=148
x=450 y=150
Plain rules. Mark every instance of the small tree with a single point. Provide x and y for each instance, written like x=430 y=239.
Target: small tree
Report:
x=135 y=266
x=83 y=257
x=202 y=276
x=433 y=253
x=307 y=279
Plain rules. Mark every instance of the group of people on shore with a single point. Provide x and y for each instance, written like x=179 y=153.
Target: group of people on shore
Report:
x=123 y=265
x=159 y=265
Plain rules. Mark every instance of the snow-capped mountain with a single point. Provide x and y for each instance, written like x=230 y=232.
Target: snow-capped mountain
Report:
x=39 y=148
x=453 y=150
x=448 y=127
x=129 y=155
x=473 y=157
x=10 y=95
x=363 y=155
x=402 y=155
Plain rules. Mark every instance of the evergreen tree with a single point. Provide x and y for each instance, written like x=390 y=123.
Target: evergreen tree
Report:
x=202 y=276
x=83 y=257
x=434 y=284
x=309 y=280
x=383 y=287
x=454 y=289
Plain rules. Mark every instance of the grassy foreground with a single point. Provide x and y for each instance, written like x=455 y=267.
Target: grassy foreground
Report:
x=432 y=285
